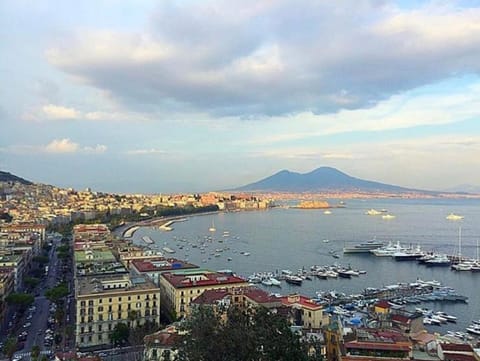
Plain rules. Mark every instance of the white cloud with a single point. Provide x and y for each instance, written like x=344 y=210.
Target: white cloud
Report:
x=245 y=58
x=52 y=111
x=145 y=151
x=61 y=146
x=56 y=146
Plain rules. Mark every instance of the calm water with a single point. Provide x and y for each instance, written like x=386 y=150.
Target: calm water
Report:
x=293 y=238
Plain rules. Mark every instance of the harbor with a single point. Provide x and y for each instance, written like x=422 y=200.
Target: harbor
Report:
x=246 y=243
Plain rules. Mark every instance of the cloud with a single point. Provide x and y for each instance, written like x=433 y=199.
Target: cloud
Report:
x=145 y=151
x=61 y=146
x=56 y=146
x=52 y=111
x=269 y=58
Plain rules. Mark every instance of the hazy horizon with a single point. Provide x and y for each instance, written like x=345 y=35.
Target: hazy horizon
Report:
x=162 y=96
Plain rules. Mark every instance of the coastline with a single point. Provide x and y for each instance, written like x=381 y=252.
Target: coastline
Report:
x=129 y=229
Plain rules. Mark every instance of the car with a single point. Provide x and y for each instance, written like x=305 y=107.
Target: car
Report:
x=28 y=324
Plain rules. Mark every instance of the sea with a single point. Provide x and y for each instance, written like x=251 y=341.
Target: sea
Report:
x=290 y=238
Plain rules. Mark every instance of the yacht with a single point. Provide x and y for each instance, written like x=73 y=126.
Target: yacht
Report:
x=388 y=250
x=454 y=217
x=364 y=247
x=409 y=254
x=294 y=280
x=327 y=212
x=212 y=228
x=440 y=260
x=373 y=212
x=388 y=216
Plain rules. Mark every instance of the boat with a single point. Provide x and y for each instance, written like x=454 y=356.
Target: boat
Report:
x=388 y=216
x=454 y=217
x=327 y=212
x=409 y=254
x=147 y=239
x=364 y=247
x=266 y=282
x=388 y=250
x=275 y=282
x=168 y=250
x=440 y=260
x=325 y=240
x=294 y=280
x=373 y=212
x=212 y=228
x=344 y=274
x=475 y=329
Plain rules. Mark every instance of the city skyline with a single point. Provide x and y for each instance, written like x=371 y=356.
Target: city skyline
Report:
x=195 y=96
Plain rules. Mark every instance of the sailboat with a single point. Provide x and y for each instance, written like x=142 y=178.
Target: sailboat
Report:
x=462 y=265
x=212 y=228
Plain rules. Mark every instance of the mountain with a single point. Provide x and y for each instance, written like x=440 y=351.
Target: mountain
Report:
x=8 y=177
x=321 y=179
x=464 y=188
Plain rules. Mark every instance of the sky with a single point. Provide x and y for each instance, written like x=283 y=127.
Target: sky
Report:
x=167 y=96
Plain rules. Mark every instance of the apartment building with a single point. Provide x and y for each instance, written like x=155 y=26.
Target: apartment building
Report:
x=103 y=301
x=180 y=288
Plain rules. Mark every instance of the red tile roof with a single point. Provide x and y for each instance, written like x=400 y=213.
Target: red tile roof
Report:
x=456 y=347
x=210 y=279
x=383 y=304
x=366 y=345
x=401 y=319
x=260 y=296
x=448 y=356
x=210 y=297
x=300 y=300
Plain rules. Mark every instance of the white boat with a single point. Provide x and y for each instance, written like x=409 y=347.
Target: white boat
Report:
x=327 y=212
x=325 y=240
x=267 y=282
x=475 y=329
x=454 y=217
x=364 y=247
x=212 y=228
x=373 y=212
x=388 y=250
x=275 y=282
x=388 y=216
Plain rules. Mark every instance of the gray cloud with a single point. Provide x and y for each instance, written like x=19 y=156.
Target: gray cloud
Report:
x=273 y=57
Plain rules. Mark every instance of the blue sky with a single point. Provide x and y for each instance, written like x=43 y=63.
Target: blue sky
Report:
x=165 y=96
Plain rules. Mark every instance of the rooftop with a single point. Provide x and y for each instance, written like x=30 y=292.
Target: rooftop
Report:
x=300 y=300
x=161 y=264
x=200 y=278
x=105 y=284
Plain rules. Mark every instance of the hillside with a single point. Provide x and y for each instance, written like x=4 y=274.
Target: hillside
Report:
x=320 y=179
x=8 y=177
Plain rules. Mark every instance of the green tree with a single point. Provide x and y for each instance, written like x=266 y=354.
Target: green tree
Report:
x=9 y=347
x=31 y=282
x=35 y=352
x=20 y=300
x=57 y=293
x=243 y=335
x=120 y=334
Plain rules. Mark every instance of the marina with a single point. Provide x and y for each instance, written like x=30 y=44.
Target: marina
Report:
x=296 y=242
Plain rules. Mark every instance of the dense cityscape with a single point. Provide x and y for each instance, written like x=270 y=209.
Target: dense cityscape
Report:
x=76 y=289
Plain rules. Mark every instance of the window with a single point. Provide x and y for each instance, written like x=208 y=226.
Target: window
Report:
x=110 y=308
x=119 y=316
x=147 y=313
x=109 y=326
x=90 y=303
x=100 y=308
x=110 y=300
x=89 y=338
x=119 y=307
x=119 y=299
x=82 y=303
x=82 y=339
x=100 y=317
x=138 y=297
x=129 y=298
x=82 y=329
x=99 y=328
x=100 y=337
x=82 y=319
x=89 y=328
x=100 y=300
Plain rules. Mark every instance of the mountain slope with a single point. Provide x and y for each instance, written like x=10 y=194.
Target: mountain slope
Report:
x=8 y=177
x=320 y=179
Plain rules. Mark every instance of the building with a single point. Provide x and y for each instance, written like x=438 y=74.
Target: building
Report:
x=160 y=346
x=18 y=264
x=457 y=352
x=104 y=301
x=180 y=288
x=306 y=313
x=376 y=344
x=154 y=267
x=6 y=288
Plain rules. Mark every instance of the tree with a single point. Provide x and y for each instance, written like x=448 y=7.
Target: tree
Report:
x=20 y=300
x=31 y=282
x=57 y=293
x=35 y=352
x=9 y=347
x=120 y=334
x=244 y=334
